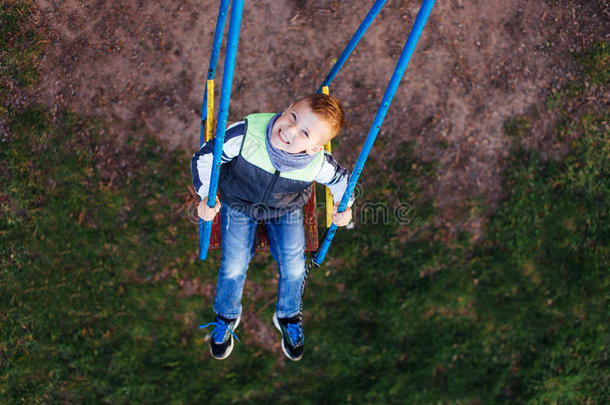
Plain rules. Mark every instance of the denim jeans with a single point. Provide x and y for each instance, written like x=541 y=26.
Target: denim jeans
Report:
x=287 y=245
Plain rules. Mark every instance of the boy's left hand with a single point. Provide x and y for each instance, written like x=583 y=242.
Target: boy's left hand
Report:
x=341 y=218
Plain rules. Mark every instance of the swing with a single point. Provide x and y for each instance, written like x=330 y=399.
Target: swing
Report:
x=310 y=218
x=209 y=231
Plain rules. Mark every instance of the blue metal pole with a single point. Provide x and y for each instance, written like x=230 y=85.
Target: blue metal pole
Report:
x=218 y=33
x=353 y=42
x=223 y=112
x=399 y=71
x=220 y=27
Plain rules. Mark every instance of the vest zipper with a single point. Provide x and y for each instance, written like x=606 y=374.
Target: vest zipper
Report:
x=270 y=186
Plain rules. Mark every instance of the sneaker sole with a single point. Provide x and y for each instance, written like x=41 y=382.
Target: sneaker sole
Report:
x=278 y=327
x=230 y=348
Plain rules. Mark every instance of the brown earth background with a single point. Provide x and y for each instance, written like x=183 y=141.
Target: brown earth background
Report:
x=477 y=65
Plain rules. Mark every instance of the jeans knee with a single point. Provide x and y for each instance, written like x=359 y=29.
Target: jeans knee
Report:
x=293 y=273
x=233 y=270
x=233 y=274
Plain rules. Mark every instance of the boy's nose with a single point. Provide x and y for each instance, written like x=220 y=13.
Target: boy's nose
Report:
x=292 y=130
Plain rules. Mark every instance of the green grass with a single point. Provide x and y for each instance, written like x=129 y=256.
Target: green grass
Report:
x=519 y=318
x=543 y=274
x=596 y=65
x=73 y=242
x=518 y=126
x=19 y=43
x=96 y=248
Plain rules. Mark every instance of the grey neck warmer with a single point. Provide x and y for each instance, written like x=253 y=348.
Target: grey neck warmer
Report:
x=282 y=160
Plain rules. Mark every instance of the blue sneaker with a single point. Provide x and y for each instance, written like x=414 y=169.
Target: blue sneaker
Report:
x=293 y=338
x=221 y=342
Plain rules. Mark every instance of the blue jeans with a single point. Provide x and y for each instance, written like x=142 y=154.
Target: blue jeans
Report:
x=287 y=245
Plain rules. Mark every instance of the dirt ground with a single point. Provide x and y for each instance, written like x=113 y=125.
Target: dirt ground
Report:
x=478 y=63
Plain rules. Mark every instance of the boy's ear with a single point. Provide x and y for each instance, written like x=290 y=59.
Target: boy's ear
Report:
x=314 y=149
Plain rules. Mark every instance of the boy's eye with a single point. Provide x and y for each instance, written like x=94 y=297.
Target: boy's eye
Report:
x=294 y=116
x=305 y=133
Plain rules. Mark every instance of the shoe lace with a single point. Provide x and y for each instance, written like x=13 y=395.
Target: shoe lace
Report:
x=294 y=332
x=220 y=330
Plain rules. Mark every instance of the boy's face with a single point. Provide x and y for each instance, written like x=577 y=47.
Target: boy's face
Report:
x=299 y=130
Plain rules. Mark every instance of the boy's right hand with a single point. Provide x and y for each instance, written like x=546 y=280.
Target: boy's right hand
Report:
x=206 y=213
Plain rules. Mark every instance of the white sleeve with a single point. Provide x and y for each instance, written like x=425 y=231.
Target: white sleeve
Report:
x=201 y=165
x=334 y=177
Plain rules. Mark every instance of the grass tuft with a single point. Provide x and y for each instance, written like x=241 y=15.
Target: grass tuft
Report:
x=596 y=65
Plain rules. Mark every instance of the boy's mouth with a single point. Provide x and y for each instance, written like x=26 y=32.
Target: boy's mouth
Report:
x=281 y=136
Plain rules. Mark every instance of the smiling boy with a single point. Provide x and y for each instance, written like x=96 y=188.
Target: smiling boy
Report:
x=269 y=164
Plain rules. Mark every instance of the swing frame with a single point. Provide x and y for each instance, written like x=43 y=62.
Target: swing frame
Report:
x=205 y=227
